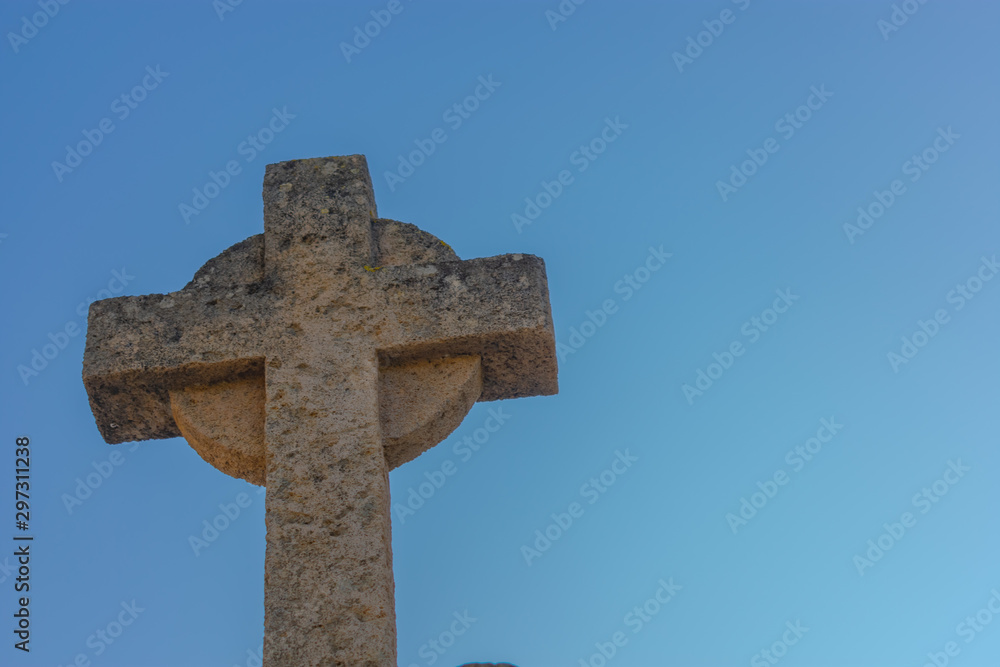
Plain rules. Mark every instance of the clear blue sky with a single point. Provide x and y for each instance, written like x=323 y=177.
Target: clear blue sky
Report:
x=629 y=153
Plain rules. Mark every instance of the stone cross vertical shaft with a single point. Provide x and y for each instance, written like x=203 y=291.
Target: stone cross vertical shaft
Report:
x=313 y=359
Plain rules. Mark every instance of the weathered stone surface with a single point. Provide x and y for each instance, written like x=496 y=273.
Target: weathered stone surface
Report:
x=224 y=423
x=208 y=332
x=420 y=403
x=315 y=357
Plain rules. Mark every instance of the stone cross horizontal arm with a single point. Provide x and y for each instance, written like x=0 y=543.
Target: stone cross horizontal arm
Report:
x=141 y=347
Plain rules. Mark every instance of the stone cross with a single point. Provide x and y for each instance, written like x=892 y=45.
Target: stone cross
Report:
x=314 y=358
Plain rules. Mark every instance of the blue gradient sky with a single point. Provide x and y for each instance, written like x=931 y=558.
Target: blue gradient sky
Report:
x=665 y=516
